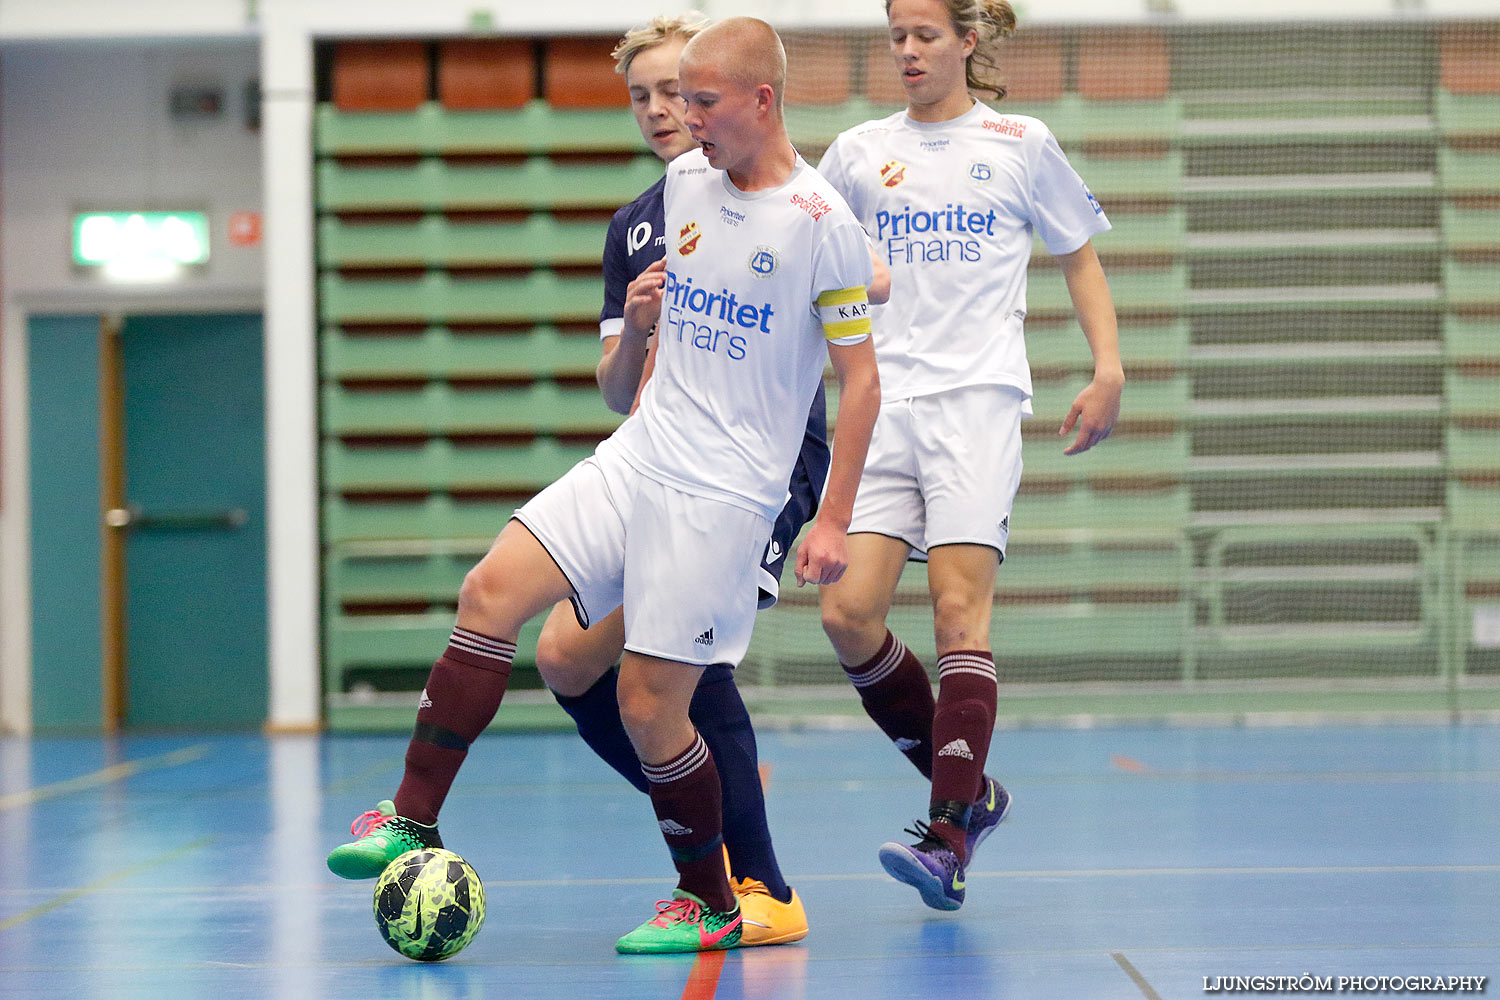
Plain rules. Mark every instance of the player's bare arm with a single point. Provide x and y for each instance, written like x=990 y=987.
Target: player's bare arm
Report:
x=880 y=288
x=1097 y=407
x=620 y=371
x=824 y=554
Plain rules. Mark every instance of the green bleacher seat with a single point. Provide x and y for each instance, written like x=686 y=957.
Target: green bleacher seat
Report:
x=438 y=297
x=1096 y=507
x=1162 y=233
x=438 y=352
x=1474 y=505
x=1035 y=563
x=437 y=241
x=1471 y=283
x=1473 y=394
x=1143 y=399
x=1124 y=455
x=433 y=129
x=1467 y=114
x=1130 y=177
x=1469 y=172
x=440 y=464
x=361 y=647
x=1147 y=289
x=1467 y=228
x=1473 y=449
x=435 y=185
x=347 y=519
x=1052 y=345
x=412 y=576
x=1466 y=339
x=444 y=408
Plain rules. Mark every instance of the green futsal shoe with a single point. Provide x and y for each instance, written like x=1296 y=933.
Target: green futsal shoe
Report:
x=683 y=923
x=383 y=837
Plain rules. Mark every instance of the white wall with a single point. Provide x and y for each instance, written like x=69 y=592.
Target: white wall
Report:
x=85 y=125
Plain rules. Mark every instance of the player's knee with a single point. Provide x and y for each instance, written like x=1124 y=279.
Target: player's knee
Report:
x=640 y=710
x=961 y=621
x=482 y=594
x=561 y=668
x=848 y=624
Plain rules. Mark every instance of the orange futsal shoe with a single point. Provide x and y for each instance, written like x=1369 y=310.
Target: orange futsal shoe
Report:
x=766 y=919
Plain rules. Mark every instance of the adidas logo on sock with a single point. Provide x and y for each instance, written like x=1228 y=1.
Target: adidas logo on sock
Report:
x=672 y=828
x=426 y=702
x=706 y=639
x=957 y=748
x=904 y=744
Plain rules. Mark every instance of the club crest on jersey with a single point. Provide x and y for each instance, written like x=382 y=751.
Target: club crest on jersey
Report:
x=763 y=261
x=687 y=238
x=893 y=173
x=980 y=172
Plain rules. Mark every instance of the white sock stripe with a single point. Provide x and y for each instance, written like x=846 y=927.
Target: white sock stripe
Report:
x=881 y=670
x=965 y=658
x=483 y=651
x=692 y=758
x=481 y=638
x=988 y=674
x=482 y=644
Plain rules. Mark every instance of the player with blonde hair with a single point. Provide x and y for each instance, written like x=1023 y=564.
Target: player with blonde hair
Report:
x=952 y=192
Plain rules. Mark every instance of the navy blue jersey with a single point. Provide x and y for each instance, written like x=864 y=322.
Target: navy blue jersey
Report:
x=634 y=242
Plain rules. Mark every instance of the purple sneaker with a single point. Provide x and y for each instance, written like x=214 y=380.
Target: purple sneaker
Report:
x=987 y=813
x=929 y=866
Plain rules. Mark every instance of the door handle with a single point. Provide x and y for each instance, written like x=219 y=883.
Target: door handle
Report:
x=201 y=519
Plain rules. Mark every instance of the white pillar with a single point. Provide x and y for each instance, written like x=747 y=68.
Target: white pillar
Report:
x=291 y=372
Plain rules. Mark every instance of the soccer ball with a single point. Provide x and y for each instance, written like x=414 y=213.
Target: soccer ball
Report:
x=429 y=904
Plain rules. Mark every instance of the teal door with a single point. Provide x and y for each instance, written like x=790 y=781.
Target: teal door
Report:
x=195 y=549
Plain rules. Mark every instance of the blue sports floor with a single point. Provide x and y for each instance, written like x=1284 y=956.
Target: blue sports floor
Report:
x=1135 y=863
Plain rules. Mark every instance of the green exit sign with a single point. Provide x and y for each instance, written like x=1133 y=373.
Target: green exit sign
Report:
x=105 y=239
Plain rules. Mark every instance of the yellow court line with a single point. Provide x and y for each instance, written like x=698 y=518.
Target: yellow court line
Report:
x=72 y=894
x=1135 y=976
x=114 y=772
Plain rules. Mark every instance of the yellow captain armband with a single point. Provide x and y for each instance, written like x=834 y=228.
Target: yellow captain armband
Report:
x=845 y=313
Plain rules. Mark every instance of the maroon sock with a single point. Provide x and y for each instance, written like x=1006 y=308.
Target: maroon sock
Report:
x=961 y=731
x=897 y=693
x=463 y=693
x=689 y=809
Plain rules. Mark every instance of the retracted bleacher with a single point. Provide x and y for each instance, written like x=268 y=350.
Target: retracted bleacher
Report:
x=1300 y=505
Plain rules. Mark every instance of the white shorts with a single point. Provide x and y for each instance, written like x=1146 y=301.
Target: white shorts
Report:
x=943 y=469
x=683 y=566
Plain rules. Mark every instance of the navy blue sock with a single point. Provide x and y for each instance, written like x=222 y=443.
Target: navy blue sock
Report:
x=597 y=713
x=719 y=713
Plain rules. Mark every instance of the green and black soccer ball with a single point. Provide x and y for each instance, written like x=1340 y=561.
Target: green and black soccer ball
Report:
x=429 y=904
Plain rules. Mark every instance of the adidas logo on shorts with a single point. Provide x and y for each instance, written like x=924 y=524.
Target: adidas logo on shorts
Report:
x=957 y=748
x=706 y=639
x=672 y=828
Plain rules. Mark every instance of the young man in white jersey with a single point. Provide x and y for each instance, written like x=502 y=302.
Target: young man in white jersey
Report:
x=764 y=280
x=952 y=193
x=578 y=664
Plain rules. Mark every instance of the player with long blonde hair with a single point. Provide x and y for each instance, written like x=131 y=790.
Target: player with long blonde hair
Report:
x=952 y=192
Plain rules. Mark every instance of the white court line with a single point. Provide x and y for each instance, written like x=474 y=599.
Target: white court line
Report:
x=218 y=892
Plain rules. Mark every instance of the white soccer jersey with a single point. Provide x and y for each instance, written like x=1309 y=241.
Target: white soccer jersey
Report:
x=741 y=339
x=952 y=207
